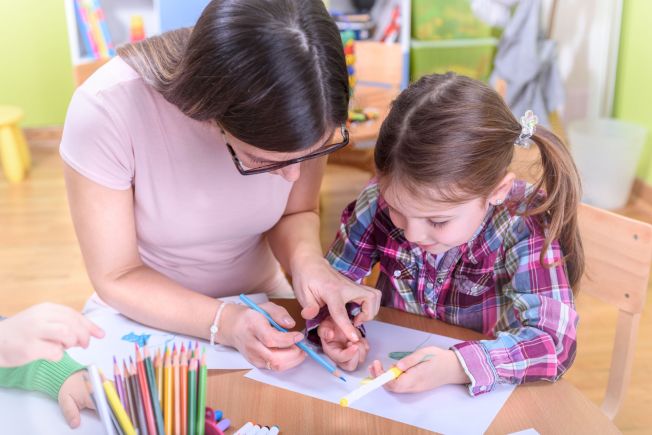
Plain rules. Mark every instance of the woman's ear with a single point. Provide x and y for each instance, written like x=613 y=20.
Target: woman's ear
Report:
x=499 y=194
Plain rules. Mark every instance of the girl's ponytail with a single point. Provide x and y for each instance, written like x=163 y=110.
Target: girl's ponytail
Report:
x=561 y=182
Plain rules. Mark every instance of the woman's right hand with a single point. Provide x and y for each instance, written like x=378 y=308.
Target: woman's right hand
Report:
x=260 y=343
x=43 y=331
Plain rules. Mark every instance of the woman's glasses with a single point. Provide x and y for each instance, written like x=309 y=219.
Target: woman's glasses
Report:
x=269 y=167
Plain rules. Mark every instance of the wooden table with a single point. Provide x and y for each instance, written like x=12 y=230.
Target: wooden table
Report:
x=548 y=408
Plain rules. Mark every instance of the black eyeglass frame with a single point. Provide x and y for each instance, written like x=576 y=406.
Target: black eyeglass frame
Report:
x=279 y=165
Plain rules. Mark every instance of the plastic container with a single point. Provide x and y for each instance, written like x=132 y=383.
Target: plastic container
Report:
x=606 y=153
x=469 y=57
x=446 y=19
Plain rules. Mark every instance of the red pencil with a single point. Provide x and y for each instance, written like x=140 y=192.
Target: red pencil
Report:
x=147 y=404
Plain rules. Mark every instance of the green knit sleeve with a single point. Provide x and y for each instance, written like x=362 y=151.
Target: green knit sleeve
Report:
x=40 y=375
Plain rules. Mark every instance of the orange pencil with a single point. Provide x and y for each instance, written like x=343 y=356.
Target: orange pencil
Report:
x=177 y=402
x=167 y=398
x=183 y=375
x=144 y=389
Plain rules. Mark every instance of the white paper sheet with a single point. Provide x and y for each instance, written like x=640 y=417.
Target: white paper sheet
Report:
x=116 y=326
x=449 y=409
x=28 y=412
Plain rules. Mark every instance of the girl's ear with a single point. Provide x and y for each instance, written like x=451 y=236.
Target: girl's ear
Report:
x=497 y=197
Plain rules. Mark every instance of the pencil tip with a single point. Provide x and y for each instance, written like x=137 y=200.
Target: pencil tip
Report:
x=342 y=378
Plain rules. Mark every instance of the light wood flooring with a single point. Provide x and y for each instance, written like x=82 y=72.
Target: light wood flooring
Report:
x=40 y=261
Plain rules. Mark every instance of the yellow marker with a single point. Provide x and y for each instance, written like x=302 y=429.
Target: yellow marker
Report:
x=381 y=380
x=116 y=406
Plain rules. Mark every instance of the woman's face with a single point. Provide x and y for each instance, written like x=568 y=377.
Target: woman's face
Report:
x=252 y=157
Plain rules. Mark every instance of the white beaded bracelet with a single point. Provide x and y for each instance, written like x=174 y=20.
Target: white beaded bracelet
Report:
x=216 y=322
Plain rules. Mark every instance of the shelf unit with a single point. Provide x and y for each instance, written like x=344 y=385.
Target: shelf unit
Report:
x=158 y=16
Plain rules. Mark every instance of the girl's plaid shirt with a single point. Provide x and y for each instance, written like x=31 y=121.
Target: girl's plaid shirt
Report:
x=494 y=284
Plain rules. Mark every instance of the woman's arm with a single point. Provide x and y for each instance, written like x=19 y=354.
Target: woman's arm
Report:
x=105 y=226
x=295 y=243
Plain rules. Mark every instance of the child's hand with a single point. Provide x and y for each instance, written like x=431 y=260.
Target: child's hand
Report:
x=346 y=354
x=425 y=369
x=73 y=397
x=43 y=331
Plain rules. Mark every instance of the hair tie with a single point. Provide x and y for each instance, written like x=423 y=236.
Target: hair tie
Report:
x=528 y=127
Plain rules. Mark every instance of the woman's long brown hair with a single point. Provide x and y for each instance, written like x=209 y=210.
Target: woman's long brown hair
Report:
x=270 y=72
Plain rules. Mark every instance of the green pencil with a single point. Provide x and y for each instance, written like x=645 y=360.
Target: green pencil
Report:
x=192 y=396
x=151 y=380
x=201 y=395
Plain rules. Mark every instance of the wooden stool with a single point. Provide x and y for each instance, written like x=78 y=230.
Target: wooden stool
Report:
x=14 y=153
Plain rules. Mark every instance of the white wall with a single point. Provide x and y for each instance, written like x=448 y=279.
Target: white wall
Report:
x=587 y=32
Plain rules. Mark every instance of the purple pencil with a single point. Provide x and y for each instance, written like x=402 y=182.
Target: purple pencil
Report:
x=119 y=385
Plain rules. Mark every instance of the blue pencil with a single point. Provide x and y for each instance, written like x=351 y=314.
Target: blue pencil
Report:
x=303 y=346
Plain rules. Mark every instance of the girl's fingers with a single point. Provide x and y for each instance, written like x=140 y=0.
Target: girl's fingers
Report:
x=417 y=357
x=69 y=410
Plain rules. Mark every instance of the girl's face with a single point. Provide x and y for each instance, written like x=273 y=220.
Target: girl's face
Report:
x=434 y=225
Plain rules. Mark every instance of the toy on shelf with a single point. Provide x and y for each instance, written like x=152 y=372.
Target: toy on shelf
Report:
x=136 y=28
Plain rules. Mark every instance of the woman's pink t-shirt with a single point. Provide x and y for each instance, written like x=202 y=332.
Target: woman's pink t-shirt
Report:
x=198 y=221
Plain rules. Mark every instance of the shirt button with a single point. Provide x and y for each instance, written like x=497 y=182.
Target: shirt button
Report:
x=430 y=286
x=440 y=280
x=397 y=273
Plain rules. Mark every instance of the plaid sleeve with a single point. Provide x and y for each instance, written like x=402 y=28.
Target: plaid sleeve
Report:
x=541 y=300
x=353 y=252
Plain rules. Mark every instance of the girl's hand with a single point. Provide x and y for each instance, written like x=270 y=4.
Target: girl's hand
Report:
x=425 y=369
x=317 y=284
x=259 y=342
x=73 y=397
x=346 y=354
x=43 y=331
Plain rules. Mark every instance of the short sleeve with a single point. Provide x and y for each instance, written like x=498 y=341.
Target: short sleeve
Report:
x=95 y=143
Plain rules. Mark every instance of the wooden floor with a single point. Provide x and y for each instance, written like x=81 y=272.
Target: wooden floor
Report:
x=40 y=261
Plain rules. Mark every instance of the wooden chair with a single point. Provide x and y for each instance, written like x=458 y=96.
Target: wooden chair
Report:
x=618 y=253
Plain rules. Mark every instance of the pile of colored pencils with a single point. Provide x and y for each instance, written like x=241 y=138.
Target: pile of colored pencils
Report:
x=163 y=396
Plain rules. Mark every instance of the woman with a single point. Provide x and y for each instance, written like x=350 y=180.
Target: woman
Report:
x=191 y=163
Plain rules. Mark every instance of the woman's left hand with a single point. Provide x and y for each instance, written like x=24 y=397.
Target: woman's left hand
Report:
x=425 y=369
x=317 y=284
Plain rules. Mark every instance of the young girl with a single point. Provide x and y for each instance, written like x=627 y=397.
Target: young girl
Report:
x=460 y=239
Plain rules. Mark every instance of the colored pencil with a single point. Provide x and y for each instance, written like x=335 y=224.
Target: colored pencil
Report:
x=101 y=403
x=138 y=400
x=167 y=396
x=192 y=396
x=156 y=406
x=177 y=392
x=303 y=346
x=201 y=395
x=118 y=384
x=116 y=406
x=158 y=368
x=145 y=393
x=131 y=410
x=184 y=390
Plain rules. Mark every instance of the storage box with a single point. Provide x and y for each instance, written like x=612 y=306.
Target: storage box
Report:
x=469 y=57
x=446 y=19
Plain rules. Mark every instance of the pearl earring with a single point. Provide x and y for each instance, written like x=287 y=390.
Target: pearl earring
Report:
x=498 y=202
